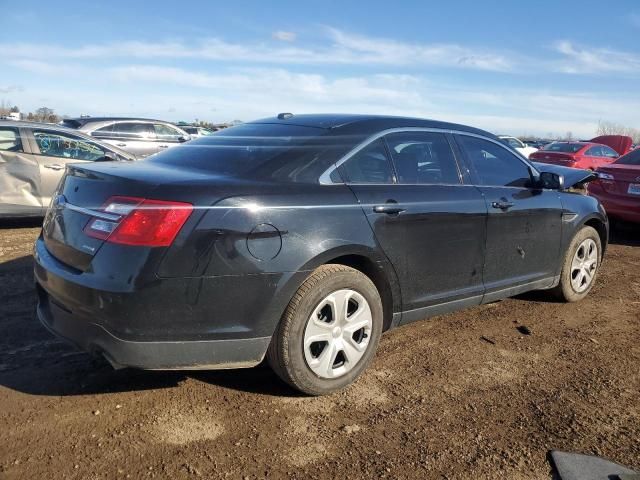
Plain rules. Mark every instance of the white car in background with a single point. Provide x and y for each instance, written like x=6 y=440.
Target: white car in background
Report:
x=518 y=145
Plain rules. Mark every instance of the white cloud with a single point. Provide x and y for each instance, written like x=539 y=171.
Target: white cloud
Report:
x=284 y=35
x=342 y=48
x=581 y=60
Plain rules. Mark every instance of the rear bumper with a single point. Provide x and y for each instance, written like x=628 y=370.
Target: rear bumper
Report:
x=163 y=355
x=181 y=323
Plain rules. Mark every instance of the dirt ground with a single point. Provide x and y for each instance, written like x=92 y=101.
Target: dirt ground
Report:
x=438 y=402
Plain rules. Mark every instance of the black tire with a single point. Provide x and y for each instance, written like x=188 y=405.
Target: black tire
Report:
x=286 y=351
x=565 y=291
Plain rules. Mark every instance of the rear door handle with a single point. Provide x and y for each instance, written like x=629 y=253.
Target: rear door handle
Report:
x=502 y=205
x=388 y=209
x=163 y=146
x=54 y=166
x=121 y=144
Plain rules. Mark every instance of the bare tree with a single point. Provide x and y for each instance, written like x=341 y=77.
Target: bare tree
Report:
x=611 y=128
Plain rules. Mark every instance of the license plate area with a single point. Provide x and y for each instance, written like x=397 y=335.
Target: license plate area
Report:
x=634 y=189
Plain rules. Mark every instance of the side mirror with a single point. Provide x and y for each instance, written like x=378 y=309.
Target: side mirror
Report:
x=109 y=157
x=184 y=138
x=551 y=181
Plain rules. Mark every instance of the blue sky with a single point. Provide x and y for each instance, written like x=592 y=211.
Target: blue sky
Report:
x=514 y=67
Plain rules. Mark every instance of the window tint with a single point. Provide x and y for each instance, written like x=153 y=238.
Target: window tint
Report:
x=423 y=157
x=494 y=165
x=166 y=133
x=10 y=140
x=54 y=144
x=631 y=158
x=369 y=165
x=594 y=152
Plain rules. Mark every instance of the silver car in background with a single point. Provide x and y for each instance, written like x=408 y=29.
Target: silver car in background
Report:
x=33 y=157
x=140 y=136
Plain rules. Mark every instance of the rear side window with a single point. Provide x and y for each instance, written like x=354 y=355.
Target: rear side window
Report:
x=423 y=158
x=494 y=165
x=10 y=140
x=136 y=131
x=369 y=165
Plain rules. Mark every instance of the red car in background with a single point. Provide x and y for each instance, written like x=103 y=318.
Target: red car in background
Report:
x=618 y=187
x=597 y=152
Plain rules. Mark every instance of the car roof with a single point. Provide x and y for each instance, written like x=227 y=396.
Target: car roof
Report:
x=80 y=121
x=363 y=123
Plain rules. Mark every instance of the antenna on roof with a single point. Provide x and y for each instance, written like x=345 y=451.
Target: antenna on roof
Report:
x=284 y=116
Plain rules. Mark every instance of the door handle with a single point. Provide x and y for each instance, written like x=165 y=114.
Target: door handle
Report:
x=121 y=144
x=163 y=146
x=390 y=208
x=502 y=205
x=55 y=166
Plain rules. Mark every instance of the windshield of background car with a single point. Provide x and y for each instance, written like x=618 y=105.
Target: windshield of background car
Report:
x=631 y=158
x=564 y=147
x=289 y=153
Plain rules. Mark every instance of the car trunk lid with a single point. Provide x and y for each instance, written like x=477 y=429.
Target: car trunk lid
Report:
x=625 y=182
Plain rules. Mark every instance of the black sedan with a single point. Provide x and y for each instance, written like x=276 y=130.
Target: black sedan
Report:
x=302 y=238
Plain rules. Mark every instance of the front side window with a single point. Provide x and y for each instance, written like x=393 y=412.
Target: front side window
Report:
x=166 y=133
x=54 y=144
x=369 y=165
x=423 y=158
x=10 y=140
x=513 y=142
x=494 y=165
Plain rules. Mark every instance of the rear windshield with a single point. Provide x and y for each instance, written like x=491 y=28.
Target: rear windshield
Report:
x=70 y=123
x=564 y=147
x=631 y=158
x=260 y=151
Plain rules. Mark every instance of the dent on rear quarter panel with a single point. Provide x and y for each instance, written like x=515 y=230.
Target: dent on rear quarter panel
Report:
x=19 y=180
x=308 y=219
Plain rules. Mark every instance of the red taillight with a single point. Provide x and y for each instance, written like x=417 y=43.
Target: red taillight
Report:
x=143 y=222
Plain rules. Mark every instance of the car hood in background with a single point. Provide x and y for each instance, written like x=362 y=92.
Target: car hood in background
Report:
x=573 y=177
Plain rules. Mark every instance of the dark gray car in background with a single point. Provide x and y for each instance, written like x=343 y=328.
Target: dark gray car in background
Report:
x=33 y=157
x=140 y=136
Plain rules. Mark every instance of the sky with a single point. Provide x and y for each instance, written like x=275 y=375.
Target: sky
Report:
x=513 y=67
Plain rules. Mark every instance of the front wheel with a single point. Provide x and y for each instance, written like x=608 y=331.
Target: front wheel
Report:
x=580 y=266
x=329 y=332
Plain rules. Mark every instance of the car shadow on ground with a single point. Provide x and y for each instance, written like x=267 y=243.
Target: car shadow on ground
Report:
x=624 y=233
x=7 y=223
x=35 y=362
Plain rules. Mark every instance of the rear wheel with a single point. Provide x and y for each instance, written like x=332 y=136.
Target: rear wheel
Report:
x=329 y=332
x=580 y=266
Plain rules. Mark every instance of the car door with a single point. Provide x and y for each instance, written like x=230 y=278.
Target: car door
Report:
x=523 y=225
x=53 y=150
x=19 y=174
x=428 y=223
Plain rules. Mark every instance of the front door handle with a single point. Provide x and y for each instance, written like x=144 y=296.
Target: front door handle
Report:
x=502 y=205
x=121 y=144
x=54 y=166
x=388 y=209
x=163 y=146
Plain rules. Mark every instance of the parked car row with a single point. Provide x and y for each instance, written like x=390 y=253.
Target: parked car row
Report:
x=33 y=158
